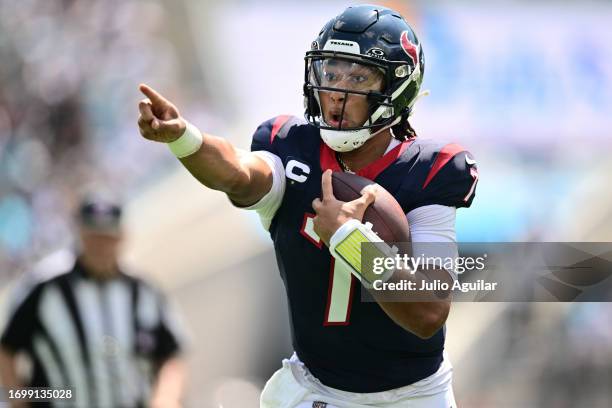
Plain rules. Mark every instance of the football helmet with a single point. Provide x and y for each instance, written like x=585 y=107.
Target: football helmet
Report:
x=366 y=52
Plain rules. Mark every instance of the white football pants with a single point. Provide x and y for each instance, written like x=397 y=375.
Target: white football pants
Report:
x=293 y=386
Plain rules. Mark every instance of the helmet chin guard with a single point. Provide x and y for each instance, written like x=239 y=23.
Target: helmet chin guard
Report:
x=347 y=140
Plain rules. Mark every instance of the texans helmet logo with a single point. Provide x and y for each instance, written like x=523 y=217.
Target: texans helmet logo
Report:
x=410 y=48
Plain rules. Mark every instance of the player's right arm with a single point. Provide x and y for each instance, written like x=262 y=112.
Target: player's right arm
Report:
x=243 y=176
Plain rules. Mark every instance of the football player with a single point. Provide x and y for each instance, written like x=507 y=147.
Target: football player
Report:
x=362 y=77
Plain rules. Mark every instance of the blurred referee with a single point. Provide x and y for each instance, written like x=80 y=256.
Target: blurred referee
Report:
x=83 y=323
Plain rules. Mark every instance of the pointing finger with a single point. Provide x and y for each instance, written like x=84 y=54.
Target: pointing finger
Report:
x=326 y=186
x=155 y=97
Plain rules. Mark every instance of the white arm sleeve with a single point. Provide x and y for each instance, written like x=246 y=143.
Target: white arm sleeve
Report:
x=267 y=206
x=433 y=224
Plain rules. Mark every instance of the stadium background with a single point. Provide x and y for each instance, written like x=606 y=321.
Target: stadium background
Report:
x=527 y=86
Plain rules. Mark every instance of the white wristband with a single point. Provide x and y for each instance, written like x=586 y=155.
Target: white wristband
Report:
x=189 y=142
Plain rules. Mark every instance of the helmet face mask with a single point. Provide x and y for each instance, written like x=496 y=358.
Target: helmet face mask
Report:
x=346 y=74
x=365 y=78
x=346 y=83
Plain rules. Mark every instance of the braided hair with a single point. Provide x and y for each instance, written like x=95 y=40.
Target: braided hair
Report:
x=403 y=130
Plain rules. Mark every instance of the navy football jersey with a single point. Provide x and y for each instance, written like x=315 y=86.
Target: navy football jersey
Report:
x=346 y=343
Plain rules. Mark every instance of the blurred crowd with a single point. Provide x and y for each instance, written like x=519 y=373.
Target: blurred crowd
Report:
x=578 y=368
x=546 y=355
x=68 y=82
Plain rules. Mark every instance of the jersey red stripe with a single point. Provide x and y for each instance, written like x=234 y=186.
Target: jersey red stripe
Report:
x=444 y=156
x=328 y=158
x=374 y=169
x=277 y=125
x=371 y=171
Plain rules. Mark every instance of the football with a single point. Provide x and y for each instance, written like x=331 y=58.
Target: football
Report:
x=386 y=215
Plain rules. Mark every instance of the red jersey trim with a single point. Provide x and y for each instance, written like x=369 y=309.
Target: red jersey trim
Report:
x=277 y=125
x=444 y=156
x=328 y=160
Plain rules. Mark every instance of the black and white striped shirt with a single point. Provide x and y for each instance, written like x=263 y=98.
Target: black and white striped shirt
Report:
x=104 y=339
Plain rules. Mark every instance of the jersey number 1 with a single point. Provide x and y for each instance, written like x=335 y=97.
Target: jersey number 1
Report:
x=341 y=282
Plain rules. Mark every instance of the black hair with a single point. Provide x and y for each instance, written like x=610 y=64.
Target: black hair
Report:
x=403 y=130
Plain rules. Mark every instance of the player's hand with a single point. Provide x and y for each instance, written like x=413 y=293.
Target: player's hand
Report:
x=332 y=213
x=159 y=119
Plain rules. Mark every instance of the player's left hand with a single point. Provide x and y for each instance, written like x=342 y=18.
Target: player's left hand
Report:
x=332 y=213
